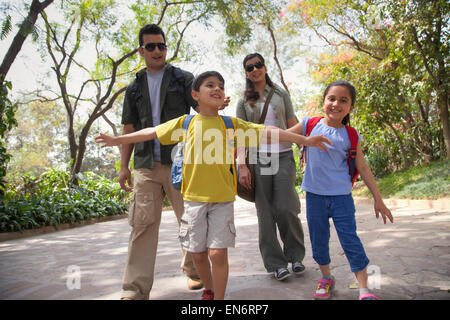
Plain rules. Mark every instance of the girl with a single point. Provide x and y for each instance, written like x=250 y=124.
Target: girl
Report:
x=276 y=200
x=328 y=185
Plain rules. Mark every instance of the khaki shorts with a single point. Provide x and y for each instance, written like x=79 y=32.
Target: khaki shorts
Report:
x=207 y=225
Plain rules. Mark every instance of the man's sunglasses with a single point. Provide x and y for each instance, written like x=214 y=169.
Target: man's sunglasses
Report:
x=151 y=46
x=250 y=67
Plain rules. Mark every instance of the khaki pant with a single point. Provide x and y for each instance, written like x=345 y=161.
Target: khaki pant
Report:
x=144 y=217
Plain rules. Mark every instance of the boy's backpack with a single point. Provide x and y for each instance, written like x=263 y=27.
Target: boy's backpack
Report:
x=178 y=162
x=351 y=155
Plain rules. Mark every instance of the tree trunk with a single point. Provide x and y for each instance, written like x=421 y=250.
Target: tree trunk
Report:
x=275 y=57
x=406 y=163
x=25 y=28
x=444 y=115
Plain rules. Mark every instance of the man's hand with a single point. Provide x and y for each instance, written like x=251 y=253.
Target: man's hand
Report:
x=107 y=140
x=124 y=178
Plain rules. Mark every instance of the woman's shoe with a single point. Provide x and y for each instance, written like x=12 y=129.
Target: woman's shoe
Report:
x=281 y=274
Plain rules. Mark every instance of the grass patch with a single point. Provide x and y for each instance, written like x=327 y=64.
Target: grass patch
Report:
x=428 y=182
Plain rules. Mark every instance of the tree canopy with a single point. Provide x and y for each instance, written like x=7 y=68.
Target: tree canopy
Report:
x=394 y=52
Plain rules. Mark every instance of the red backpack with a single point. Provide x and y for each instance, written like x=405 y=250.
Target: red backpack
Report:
x=351 y=156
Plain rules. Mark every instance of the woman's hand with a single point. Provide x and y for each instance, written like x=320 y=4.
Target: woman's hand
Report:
x=226 y=102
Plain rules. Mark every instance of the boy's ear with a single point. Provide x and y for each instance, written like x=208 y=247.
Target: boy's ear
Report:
x=195 y=95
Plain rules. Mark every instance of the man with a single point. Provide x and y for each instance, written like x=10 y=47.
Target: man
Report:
x=159 y=93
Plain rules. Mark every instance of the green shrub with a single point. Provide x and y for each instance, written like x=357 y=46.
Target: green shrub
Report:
x=51 y=200
x=427 y=182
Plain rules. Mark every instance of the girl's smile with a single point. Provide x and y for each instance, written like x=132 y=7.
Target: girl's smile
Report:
x=337 y=104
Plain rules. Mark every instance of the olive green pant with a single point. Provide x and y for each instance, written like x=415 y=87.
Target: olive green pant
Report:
x=278 y=206
x=144 y=217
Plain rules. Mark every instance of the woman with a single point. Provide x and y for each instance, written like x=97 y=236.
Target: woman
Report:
x=277 y=202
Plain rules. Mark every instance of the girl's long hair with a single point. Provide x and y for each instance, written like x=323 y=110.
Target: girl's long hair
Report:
x=351 y=89
x=250 y=94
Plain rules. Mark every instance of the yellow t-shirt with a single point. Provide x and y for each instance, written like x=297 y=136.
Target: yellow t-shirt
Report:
x=207 y=173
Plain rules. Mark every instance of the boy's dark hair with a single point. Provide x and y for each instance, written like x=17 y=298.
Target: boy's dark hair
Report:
x=202 y=76
x=350 y=88
x=150 y=29
x=250 y=93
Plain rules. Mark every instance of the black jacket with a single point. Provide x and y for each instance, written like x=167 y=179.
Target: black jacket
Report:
x=176 y=100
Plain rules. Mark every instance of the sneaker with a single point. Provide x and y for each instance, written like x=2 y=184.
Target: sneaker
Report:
x=281 y=274
x=324 y=288
x=298 y=267
x=207 y=295
x=368 y=296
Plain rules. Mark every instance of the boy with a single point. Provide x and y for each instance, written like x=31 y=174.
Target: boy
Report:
x=207 y=225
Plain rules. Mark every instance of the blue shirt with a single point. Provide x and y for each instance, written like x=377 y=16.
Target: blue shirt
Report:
x=326 y=172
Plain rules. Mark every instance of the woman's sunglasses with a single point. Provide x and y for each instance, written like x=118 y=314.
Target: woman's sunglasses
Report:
x=151 y=46
x=250 y=67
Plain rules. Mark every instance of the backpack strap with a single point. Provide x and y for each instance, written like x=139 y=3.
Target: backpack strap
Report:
x=351 y=157
x=187 y=121
x=311 y=124
x=185 y=126
x=230 y=148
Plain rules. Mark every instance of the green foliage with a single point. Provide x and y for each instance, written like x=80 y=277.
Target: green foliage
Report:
x=299 y=169
x=50 y=200
x=6 y=27
x=428 y=182
x=7 y=122
x=395 y=53
x=38 y=142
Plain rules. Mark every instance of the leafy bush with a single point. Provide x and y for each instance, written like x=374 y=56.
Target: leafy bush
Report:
x=50 y=200
x=7 y=122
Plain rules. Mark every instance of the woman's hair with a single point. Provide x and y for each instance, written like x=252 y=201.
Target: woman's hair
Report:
x=351 y=89
x=203 y=76
x=250 y=93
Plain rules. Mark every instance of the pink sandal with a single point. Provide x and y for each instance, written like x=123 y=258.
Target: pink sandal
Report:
x=368 y=296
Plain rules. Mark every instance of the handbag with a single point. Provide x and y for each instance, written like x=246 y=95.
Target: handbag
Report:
x=243 y=192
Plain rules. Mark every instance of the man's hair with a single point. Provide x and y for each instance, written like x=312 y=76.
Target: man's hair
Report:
x=203 y=76
x=150 y=29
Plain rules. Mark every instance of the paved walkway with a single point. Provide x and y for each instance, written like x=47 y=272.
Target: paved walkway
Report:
x=410 y=259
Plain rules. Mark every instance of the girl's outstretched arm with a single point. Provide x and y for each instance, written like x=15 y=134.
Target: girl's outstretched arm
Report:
x=297 y=128
x=138 y=136
x=369 y=180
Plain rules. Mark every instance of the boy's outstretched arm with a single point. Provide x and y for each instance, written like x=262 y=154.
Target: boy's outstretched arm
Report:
x=288 y=136
x=138 y=136
x=369 y=180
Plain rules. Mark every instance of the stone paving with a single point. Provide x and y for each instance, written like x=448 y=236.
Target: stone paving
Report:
x=410 y=259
